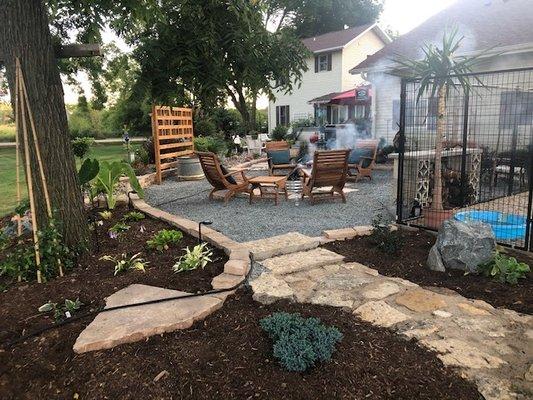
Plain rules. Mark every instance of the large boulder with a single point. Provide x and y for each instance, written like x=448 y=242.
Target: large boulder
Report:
x=462 y=245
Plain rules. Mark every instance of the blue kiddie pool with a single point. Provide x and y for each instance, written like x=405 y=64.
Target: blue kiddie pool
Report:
x=505 y=226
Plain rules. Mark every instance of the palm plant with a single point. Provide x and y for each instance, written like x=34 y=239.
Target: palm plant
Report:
x=440 y=70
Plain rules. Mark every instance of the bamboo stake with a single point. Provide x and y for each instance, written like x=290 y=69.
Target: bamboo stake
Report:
x=28 y=177
x=39 y=161
x=17 y=157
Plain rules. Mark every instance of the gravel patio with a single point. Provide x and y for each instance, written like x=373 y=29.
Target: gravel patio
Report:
x=244 y=222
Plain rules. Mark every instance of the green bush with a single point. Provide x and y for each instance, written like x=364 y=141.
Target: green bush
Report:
x=81 y=146
x=383 y=237
x=204 y=127
x=213 y=144
x=504 y=268
x=279 y=132
x=299 y=343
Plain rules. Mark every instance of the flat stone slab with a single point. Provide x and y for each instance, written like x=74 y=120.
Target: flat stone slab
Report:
x=380 y=313
x=128 y=325
x=421 y=300
x=283 y=244
x=296 y=262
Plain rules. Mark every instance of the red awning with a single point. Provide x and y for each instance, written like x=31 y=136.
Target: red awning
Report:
x=359 y=95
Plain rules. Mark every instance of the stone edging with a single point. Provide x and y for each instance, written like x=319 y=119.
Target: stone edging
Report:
x=236 y=267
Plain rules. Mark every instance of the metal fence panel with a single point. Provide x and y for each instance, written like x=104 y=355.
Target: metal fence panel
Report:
x=486 y=156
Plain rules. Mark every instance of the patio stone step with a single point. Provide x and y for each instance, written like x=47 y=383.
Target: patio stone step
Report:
x=303 y=260
x=128 y=325
x=283 y=244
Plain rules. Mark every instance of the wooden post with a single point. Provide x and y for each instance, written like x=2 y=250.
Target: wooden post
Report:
x=29 y=183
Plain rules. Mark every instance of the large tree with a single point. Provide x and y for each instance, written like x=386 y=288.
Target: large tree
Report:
x=25 y=33
x=214 y=49
x=315 y=17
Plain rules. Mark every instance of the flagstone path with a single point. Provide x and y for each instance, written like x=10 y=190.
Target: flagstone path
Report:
x=492 y=347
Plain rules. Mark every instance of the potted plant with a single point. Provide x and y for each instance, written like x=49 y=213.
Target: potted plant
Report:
x=434 y=73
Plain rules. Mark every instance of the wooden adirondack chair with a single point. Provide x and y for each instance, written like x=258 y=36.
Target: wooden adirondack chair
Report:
x=278 y=145
x=363 y=169
x=330 y=168
x=221 y=179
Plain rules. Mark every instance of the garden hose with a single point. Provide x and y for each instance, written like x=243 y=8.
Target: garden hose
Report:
x=38 y=332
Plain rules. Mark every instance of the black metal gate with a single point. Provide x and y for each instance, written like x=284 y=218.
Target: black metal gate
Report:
x=486 y=155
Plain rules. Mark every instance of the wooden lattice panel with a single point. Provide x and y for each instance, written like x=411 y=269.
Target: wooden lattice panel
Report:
x=173 y=135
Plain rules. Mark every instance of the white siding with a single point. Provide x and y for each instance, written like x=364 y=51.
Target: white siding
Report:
x=312 y=85
x=355 y=53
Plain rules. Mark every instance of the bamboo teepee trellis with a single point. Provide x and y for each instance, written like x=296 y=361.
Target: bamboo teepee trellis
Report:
x=23 y=113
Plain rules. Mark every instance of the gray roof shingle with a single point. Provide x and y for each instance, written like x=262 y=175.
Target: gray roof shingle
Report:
x=484 y=23
x=334 y=40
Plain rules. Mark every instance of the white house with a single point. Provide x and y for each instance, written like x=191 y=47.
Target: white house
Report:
x=504 y=27
x=334 y=53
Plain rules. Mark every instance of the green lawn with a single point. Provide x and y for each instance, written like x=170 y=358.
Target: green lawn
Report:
x=8 y=188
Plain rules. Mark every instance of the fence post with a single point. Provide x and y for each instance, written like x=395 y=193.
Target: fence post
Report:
x=465 y=144
x=401 y=151
x=529 y=219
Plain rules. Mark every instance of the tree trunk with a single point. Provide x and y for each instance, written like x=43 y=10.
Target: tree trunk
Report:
x=24 y=33
x=441 y=125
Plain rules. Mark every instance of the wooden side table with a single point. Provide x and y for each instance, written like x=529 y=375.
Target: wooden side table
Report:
x=269 y=187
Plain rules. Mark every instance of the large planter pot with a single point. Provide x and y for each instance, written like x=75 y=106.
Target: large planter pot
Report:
x=433 y=219
x=189 y=168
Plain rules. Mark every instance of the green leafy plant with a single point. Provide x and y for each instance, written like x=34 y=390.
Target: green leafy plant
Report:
x=81 y=146
x=88 y=171
x=383 y=237
x=4 y=240
x=22 y=207
x=299 y=343
x=125 y=263
x=279 y=132
x=61 y=311
x=108 y=178
x=504 y=268
x=106 y=215
x=199 y=256
x=119 y=227
x=133 y=216
x=163 y=239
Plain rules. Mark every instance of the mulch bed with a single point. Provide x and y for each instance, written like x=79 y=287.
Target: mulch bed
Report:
x=410 y=264
x=227 y=356
x=92 y=280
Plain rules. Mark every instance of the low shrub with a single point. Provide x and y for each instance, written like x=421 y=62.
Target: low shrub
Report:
x=299 y=343
x=118 y=228
x=125 y=263
x=163 y=239
x=212 y=144
x=198 y=257
x=504 y=268
x=383 y=237
x=81 y=146
x=279 y=132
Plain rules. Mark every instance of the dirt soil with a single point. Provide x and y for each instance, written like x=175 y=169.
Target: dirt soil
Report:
x=92 y=280
x=410 y=263
x=228 y=356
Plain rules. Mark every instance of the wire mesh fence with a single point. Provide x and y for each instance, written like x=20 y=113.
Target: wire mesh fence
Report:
x=480 y=131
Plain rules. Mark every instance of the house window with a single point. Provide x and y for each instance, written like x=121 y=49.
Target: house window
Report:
x=323 y=62
x=282 y=115
x=359 y=111
x=417 y=114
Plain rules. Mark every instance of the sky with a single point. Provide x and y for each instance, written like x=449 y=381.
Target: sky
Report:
x=400 y=15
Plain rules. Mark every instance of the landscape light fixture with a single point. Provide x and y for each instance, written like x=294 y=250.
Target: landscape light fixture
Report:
x=200 y=229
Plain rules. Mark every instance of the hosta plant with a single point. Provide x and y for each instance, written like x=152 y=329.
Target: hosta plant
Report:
x=119 y=227
x=61 y=311
x=504 y=268
x=125 y=263
x=133 y=216
x=106 y=214
x=198 y=257
x=163 y=239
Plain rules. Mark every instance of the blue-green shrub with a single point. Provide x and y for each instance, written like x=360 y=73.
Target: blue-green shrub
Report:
x=299 y=343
